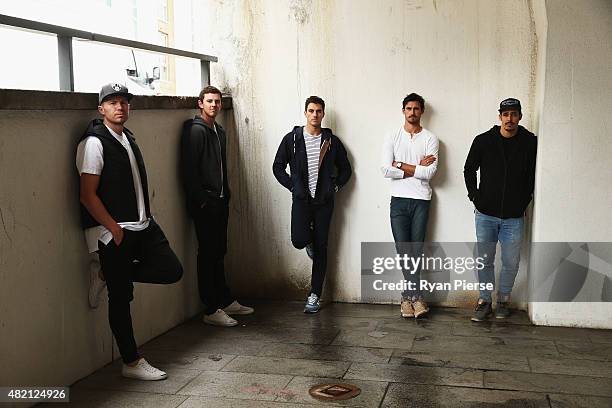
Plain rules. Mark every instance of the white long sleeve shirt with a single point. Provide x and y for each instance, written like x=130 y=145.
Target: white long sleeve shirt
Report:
x=410 y=149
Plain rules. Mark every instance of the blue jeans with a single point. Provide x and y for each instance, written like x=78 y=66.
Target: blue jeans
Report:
x=409 y=223
x=509 y=232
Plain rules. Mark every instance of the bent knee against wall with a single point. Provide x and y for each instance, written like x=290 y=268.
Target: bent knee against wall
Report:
x=299 y=244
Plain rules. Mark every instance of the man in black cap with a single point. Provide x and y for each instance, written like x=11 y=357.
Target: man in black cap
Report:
x=506 y=157
x=117 y=221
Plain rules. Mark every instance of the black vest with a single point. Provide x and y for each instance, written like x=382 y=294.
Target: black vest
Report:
x=116 y=188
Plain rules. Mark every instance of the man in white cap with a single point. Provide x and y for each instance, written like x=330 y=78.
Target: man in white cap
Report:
x=116 y=217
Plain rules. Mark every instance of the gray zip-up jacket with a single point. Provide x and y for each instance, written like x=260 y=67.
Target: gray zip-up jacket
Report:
x=203 y=164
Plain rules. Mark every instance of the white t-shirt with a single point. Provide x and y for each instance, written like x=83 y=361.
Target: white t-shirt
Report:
x=410 y=149
x=313 y=150
x=90 y=160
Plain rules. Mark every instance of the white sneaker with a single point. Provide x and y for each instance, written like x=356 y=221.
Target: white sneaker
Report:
x=143 y=371
x=219 y=318
x=236 y=308
x=96 y=284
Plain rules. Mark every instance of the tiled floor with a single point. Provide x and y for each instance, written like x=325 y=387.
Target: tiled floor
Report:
x=274 y=356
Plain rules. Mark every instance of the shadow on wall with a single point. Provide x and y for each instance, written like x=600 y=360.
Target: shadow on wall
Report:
x=247 y=234
x=339 y=219
x=189 y=254
x=438 y=180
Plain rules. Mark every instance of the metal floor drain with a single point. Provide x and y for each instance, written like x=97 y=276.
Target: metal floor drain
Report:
x=334 y=392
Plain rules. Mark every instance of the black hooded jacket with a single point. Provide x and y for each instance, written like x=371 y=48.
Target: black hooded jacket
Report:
x=334 y=169
x=116 y=187
x=506 y=184
x=203 y=164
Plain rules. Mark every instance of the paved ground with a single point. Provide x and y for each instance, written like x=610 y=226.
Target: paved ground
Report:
x=273 y=357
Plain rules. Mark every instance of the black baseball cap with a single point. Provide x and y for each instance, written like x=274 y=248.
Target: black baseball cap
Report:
x=510 y=104
x=113 y=89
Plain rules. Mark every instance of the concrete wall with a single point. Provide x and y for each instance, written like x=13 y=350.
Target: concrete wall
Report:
x=48 y=333
x=463 y=56
x=573 y=192
x=362 y=57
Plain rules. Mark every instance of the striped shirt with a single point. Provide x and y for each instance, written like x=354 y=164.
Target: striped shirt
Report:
x=313 y=149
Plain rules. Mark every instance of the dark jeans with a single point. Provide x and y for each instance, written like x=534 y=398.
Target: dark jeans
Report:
x=211 y=230
x=409 y=223
x=304 y=214
x=143 y=256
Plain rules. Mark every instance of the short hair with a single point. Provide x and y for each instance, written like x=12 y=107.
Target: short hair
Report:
x=414 y=98
x=208 y=90
x=316 y=100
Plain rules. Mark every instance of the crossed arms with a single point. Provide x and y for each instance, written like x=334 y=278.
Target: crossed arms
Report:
x=423 y=170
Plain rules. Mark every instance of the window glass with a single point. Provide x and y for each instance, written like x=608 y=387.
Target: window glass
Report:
x=21 y=69
x=172 y=23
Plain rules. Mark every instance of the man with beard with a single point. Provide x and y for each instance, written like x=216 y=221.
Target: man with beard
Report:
x=410 y=160
x=506 y=157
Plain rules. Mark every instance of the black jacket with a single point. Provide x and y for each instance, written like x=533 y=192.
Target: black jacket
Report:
x=506 y=185
x=334 y=169
x=203 y=164
x=116 y=187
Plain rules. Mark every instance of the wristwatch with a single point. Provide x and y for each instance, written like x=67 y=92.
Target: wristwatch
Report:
x=398 y=165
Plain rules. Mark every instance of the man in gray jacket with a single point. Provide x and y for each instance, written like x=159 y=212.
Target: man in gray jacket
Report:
x=204 y=167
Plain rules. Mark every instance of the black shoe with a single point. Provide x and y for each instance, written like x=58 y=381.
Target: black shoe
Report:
x=483 y=311
x=502 y=310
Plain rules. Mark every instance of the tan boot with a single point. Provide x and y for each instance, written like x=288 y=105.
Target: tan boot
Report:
x=420 y=307
x=406 y=308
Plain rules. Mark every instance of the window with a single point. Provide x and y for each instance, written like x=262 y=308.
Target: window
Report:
x=28 y=70
x=164 y=60
x=163 y=10
x=170 y=23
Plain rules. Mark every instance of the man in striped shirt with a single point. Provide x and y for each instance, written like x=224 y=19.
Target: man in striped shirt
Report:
x=319 y=167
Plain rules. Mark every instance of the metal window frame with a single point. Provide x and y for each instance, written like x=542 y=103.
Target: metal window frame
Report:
x=64 y=47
